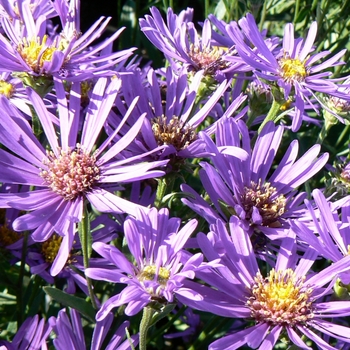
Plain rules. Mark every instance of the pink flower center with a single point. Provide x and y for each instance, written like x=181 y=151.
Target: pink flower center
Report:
x=71 y=174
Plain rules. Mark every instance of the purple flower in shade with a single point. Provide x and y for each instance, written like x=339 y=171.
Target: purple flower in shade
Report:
x=27 y=48
x=161 y=266
x=47 y=258
x=289 y=299
x=72 y=171
x=293 y=68
x=172 y=115
x=327 y=232
x=69 y=333
x=192 y=320
x=179 y=41
x=32 y=335
x=238 y=183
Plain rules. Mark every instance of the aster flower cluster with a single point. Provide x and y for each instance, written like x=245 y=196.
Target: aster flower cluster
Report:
x=203 y=204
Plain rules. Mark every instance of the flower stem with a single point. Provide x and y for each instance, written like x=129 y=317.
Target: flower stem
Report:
x=85 y=239
x=272 y=115
x=329 y=121
x=145 y=324
x=19 y=294
x=165 y=186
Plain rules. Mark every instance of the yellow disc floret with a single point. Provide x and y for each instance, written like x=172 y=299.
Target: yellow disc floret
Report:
x=51 y=247
x=6 y=89
x=292 y=69
x=149 y=274
x=280 y=299
x=35 y=52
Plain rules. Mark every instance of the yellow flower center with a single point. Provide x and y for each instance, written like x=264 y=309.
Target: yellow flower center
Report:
x=6 y=89
x=51 y=247
x=280 y=299
x=292 y=69
x=149 y=274
x=35 y=52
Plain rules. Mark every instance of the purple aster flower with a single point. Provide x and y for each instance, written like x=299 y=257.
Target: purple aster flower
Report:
x=69 y=333
x=327 y=232
x=173 y=115
x=27 y=48
x=15 y=10
x=293 y=69
x=72 y=171
x=223 y=38
x=289 y=299
x=161 y=266
x=53 y=257
x=238 y=183
x=179 y=41
x=32 y=335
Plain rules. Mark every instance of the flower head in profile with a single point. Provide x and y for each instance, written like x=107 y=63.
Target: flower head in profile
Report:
x=326 y=231
x=289 y=299
x=160 y=268
x=72 y=171
x=292 y=68
x=69 y=333
x=179 y=40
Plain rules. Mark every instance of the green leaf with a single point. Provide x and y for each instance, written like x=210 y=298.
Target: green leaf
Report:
x=7 y=299
x=164 y=312
x=72 y=301
x=220 y=10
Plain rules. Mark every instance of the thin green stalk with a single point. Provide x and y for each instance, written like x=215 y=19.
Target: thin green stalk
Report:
x=272 y=115
x=296 y=11
x=322 y=135
x=85 y=239
x=145 y=324
x=165 y=186
x=206 y=8
x=263 y=16
x=19 y=294
x=329 y=121
x=342 y=135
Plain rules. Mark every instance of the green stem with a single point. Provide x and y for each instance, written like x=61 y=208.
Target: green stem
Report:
x=165 y=186
x=85 y=239
x=206 y=8
x=296 y=11
x=322 y=135
x=263 y=16
x=19 y=295
x=145 y=325
x=272 y=115
x=329 y=121
x=342 y=135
